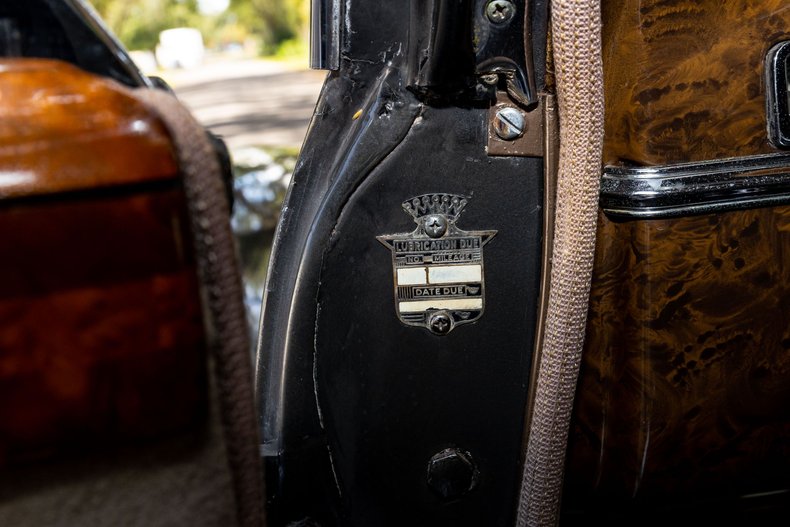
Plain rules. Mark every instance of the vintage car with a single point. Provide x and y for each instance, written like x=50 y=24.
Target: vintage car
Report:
x=530 y=270
x=485 y=210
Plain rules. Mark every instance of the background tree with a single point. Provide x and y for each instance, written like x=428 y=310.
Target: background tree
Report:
x=138 y=23
x=273 y=21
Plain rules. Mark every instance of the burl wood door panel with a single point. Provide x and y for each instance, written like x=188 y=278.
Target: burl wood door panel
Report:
x=684 y=393
x=684 y=78
x=101 y=333
x=101 y=337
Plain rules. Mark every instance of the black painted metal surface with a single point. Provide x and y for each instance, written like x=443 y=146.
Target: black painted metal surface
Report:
x=354 y=403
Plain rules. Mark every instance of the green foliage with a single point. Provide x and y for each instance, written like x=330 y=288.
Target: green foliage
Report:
x=137 y=23
x=274 y=21
x=294 y=48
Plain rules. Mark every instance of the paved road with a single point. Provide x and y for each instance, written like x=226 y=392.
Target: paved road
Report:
x=251 y=102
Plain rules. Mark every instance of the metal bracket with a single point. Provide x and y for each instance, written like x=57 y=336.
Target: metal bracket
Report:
x=502 y=50
x=530 y=142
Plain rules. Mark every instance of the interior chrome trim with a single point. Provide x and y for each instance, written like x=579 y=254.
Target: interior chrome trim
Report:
x=695 y=188
x=776 y=94
x=325 y=34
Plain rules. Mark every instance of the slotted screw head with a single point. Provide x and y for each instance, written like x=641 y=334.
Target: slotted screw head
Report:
x=500 y=11
x=509 y=123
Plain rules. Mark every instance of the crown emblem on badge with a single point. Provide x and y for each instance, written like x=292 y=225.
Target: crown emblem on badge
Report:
x=448 y=205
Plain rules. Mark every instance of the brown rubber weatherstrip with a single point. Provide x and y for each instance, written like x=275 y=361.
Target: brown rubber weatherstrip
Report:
x=576 y=30
x=219 y=274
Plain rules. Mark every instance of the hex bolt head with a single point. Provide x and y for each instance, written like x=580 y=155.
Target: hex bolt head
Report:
x=452 y=473
x=500 y=11
x=440 y=323
x=509 y=123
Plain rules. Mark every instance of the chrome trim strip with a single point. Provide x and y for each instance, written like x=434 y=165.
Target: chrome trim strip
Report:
x=325 y=34
x=777 y=105
x=696 y=188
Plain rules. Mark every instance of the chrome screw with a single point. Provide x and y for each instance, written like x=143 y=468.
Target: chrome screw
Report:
x=500 y=11
x=435 y=225
x=440 y=323
x=509 y=123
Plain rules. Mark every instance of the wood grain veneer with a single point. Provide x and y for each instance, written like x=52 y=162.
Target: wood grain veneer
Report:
x=684 y=392
x=62 y=129
x=684 y=78
x=101 y=333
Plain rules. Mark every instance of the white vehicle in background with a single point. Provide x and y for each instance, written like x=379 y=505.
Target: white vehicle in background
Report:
x=180 y=47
